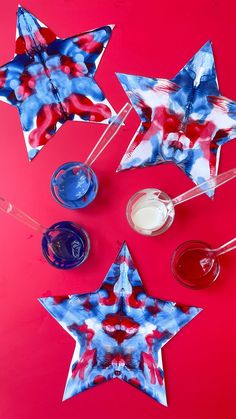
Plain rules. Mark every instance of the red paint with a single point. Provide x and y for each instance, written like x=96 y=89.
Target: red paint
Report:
x=154 y=310
x=111 y=297
x=127 y=327
x=82 y=368
x=59 y=299
x=82 y=106
x=25 y=43
x=20 y=45
x=152 y=336
x=87 y=305
x=70 y=67
x=133 y=300
x=166 y=122
x=83 y=329
x=134 y=382
x=148 y=361
x=220 y=135
x=50 y=115
x=47 y=118
x=27 y=85
x=123 y=259
x=2 y=78
x=99 y=379
x=183 y=308
x=87 y=43
x=196 y=268
x=118 y=361
x=48 y=35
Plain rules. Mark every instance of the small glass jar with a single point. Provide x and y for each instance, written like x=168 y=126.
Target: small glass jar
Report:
x=195 y=265
x=150 y=212
x=65 y=245
x=74 y=185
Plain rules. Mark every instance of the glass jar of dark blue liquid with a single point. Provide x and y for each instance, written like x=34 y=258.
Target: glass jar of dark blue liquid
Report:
x=65 y=245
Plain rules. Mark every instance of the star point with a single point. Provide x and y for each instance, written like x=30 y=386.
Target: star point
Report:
x=119 y=331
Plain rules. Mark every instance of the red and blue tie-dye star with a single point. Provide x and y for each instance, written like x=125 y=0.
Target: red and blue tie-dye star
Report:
x=50 y=80
x=119 y=331
x=184 y=120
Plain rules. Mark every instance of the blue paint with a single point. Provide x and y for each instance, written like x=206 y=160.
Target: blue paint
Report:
x=74 y=185
x=65 y=245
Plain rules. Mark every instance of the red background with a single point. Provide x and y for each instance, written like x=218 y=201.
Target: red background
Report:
x=150 y=39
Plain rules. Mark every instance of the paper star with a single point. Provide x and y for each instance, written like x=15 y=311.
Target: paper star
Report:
x=119 y=331
x=50 y=80
x=184 y=120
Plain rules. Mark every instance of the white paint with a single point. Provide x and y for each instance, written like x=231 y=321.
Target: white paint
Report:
x=150 y=217
x=151 y=98
x=142 y=152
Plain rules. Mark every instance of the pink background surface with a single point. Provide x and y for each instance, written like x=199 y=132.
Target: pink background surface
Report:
x=150 y=39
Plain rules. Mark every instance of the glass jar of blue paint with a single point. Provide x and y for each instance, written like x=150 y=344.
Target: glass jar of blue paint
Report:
x=74 y=185
x=65 y=245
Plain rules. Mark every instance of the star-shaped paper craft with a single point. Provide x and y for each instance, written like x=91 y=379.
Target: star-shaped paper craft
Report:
x=184 y=120
x=119 y=331
x=50 y=80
